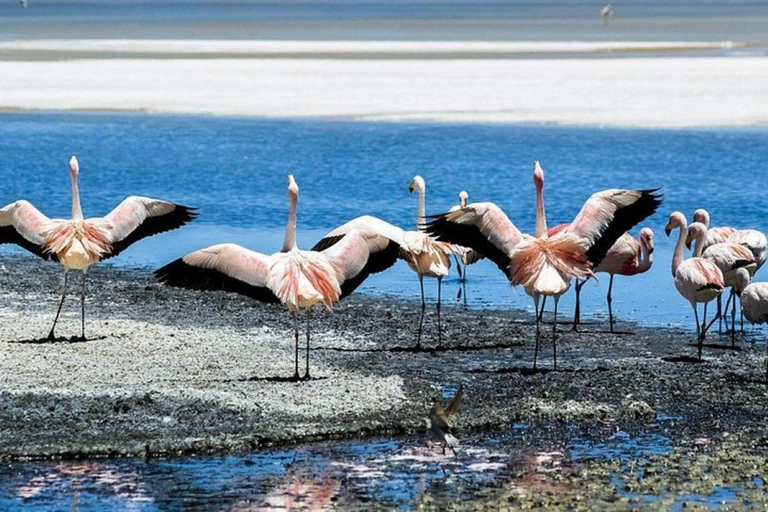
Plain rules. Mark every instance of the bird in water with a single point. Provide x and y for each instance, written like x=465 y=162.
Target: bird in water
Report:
x=79 y=243
x=440 y=424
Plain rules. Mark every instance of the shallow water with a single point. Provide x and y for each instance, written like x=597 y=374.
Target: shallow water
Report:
x=393 y=473
x=738 y=20
x=234 y=170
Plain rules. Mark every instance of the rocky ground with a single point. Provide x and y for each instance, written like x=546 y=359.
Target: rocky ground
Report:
x=172 y=371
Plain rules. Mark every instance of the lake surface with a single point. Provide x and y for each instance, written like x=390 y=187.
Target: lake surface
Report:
x=401 y=473
x=559 y=20
x=235 y=171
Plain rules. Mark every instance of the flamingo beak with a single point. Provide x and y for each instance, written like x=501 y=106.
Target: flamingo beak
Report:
x=688 y=241
x=667 y=229
x=649 y=243
x=411 y=188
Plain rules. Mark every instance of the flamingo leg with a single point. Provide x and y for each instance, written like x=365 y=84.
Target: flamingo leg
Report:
x=539 y=315
x=733 y=318
x=423 y=308
x=309 y=318
x=51 y=335
x=82 y=307
x=727 y=305
x=296 y=345
x=439 y=304
x=458 y=267
x=554 y=331
x=610 y=302
x=698 y=326
x=577 y=311
x=720 y=313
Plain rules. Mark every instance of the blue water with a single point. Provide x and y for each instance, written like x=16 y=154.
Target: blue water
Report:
x=740 y=20
x=399 y=473
x=235 y=170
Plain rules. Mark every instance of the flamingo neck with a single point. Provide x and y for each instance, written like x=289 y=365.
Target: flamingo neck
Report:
x=289 y=243
x=678 y=256
x=541 y=214
x=77 y=211
x=646 y=257
x=421 y=211
x=700 y=241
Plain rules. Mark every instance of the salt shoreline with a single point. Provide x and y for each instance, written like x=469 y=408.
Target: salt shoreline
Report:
x=167 y=371
x=631 y=91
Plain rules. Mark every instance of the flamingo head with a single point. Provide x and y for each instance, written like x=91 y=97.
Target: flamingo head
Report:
x=538 y=174
x=646 y=238
x=293 y=187
x=695 y=230
x=417 y=183
x=463 y=198
x=742 y=280
x=74 y=167
x=676 y=220
x=701 y=215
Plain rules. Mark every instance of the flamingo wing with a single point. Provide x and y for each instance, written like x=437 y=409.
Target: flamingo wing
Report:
x=455 y=403
x=24 y=225
x=483 y=227
x=358 y=254
x=226 y=267
x=139 y=217
x=609 y=214
x=371 y=226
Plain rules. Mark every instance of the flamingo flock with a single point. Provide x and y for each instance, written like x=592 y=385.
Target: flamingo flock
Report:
x=544 y=264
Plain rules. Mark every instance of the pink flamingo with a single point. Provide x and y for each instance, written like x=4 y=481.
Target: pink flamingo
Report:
x=629 y=256
x=423 y=254
x=545 y=265
x=728 y=257
x=79 y=243
x=716 y=235
x=697 y=279
x=297 y=279
x=754 y=240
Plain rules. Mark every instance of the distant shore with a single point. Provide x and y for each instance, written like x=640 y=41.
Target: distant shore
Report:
x=330 y=80
x=170 y=371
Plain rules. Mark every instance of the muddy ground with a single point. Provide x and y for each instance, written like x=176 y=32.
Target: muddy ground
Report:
x=171 y=371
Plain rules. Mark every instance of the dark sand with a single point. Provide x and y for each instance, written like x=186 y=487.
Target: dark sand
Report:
x=166 y=371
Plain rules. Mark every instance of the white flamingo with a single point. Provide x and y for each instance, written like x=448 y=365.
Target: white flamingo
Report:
x=697 y=279
x=297 y=279
x=424 y=255
x=79 y=243
x=754 y=301
x=464 y=255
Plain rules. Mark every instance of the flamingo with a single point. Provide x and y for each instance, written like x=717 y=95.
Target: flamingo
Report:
x=754 y=301
x=464 y=255
x=545 y=265
x=716 y=235
x=79 y=243
x=629 y=256
x=697 y=279
x=297 y=279
x=728 y=257
x=424 y=255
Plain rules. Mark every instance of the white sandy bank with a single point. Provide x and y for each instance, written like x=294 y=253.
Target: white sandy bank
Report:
x=628 y=92
x=193 y=47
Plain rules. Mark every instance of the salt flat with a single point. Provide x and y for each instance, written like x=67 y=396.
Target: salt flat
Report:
x=647 y=91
